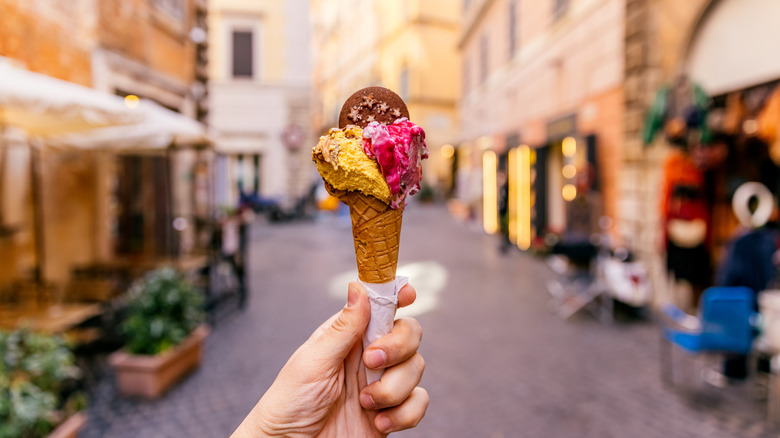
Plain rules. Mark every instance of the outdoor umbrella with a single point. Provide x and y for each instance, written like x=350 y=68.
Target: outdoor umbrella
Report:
x=42 y=107
x=156 y=129
x=159 y=131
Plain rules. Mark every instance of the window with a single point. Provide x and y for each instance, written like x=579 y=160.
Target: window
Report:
x=403 y=86
x=483 y=59
x=559 y=7
x=243 y=59
x=512 y=27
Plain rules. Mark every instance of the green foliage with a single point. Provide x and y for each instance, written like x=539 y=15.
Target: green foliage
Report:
x=32 y=369
x=163 y=309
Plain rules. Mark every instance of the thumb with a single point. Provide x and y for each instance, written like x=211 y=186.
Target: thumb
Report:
x=346 y=327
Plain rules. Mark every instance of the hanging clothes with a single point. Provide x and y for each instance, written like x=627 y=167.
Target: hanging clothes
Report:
x=678 y=170
x=687 y=237
x=748 y=260
x=677 y=109
x=685 y=224
x=768 y=124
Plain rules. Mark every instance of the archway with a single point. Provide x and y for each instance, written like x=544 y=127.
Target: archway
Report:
x=734 y=45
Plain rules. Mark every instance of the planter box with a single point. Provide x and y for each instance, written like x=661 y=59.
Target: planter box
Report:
x=69 y=428
x=151 y=376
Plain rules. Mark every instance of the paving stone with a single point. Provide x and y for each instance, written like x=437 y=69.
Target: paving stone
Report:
x=499 y=363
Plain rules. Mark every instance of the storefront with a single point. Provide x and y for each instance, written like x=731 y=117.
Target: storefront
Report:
x=720 y=118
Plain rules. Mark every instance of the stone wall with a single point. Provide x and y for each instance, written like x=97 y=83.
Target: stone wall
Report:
x=657 y=35
x=564 y=65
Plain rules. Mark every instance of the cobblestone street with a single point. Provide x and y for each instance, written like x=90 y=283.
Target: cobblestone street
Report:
x=499 y=363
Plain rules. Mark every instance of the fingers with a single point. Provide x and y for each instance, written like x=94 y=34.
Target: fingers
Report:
x=406 y=295
x=404 y=416
x=395 y=347
x=395 y=386
x=333 y=340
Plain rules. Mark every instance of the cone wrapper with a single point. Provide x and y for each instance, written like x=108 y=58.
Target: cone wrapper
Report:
x=376 y=231
x=384 y=300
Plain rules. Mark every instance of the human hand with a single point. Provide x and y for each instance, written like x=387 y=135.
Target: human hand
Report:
x=322 y=391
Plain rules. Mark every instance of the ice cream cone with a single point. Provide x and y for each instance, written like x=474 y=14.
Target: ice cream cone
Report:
x=376 y=231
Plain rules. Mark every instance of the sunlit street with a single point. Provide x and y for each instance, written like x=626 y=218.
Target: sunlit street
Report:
x=584 y=194
x=499 y=362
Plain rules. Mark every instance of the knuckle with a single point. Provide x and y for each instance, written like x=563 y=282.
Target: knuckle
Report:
x=342 y=325
x=419 y=362
x=411 y=329
x=382 y=396
x=422 y=393
x=415 y=328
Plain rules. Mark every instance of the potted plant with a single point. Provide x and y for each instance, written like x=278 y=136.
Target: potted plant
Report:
x=38 y=377
x=165 y=332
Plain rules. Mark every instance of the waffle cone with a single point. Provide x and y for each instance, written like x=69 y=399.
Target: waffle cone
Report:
x=376 y=231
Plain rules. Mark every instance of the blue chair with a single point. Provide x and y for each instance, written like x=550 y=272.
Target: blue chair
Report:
x=726 y=325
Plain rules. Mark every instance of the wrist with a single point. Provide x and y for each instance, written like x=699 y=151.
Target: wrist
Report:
x=256 y=425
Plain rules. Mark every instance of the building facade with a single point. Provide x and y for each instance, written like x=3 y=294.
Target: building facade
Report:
x=96 y=204
x=542 y=106
x=259 y=99
x=408 y=46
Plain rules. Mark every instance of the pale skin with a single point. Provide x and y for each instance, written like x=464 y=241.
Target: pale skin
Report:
x=322 y=392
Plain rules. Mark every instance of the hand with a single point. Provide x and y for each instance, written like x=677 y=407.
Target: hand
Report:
x=322 y=391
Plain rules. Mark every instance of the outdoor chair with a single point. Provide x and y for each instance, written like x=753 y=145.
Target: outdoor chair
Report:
x=725 y=325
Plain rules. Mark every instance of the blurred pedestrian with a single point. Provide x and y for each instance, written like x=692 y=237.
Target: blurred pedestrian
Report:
x=322 y=391
x=503 y=212
x=583 y=232
x=685 y=223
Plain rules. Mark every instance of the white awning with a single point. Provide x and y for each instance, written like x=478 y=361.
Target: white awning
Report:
x=45 y=106
x=736 y=46
x=157 y=129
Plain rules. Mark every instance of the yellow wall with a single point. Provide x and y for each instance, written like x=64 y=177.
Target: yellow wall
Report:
x=268 y=15
x=384 y=37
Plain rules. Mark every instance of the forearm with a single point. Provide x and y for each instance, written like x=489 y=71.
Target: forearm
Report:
x=274 y=416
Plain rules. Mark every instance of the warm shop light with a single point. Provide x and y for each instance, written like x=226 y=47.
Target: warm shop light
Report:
x=489 y=192
x=512 y=201
x=569 y=171
x=524 y=198
x=485 y=142
x=447 y=151
x=569 y=147
x=132 y=101
x=569 y=192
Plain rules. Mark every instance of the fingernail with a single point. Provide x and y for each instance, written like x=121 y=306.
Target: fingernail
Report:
x=375 y=358
x=366 y=401
x=352 y=296
x=383 y=423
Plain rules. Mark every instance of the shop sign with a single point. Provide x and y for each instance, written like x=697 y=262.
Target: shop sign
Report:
x=562 y=127
x=293 y=136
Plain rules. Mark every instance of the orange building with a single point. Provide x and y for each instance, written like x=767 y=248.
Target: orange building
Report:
x=152 y=49
x=407 y=46
x=542 y=101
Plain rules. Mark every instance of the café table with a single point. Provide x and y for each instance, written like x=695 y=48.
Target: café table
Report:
x=58 y=318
